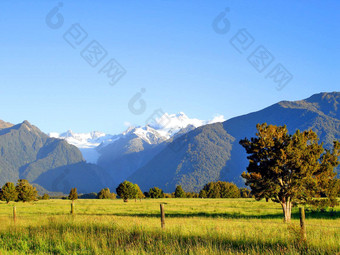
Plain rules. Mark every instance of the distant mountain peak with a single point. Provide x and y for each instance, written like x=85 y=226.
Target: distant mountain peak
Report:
x=28 y=126
x=4 y=124
x=155 y=132
x=181 y=114
x=26 y=123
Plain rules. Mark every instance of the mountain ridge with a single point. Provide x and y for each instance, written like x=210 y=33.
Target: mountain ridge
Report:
x=310 y=113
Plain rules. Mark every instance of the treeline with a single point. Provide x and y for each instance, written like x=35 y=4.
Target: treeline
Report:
x=217 y=189
x=25 y=192
x=127 y=190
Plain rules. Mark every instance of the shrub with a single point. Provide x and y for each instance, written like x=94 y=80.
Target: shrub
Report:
x=92 y=195
x=45 y=197
x=168 y=195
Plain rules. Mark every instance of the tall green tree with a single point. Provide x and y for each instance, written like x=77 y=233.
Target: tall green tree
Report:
x=179 y=192
x=127 y=190
x=26 y=192
x=9 y=192
x=289 y=169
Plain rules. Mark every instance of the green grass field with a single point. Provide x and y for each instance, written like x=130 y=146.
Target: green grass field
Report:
x=193 y=226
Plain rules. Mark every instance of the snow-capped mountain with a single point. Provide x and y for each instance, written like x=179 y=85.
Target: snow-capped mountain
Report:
x=170 y=124
x=154 y=132
x=86 y=142
x=167 y=126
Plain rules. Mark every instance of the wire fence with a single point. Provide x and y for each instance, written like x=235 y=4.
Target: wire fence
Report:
x=262 y=219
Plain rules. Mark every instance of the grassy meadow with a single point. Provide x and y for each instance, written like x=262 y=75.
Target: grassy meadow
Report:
x=193 y=226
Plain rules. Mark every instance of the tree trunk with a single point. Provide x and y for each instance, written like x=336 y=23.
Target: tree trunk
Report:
x=287 y=211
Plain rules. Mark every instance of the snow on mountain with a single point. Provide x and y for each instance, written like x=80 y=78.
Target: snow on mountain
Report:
x=86 y=142
x=155 y=132
x=166 y=126
x=170 y=124
x=147 y=133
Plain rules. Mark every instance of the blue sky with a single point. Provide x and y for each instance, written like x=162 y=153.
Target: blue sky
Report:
x=167 y=47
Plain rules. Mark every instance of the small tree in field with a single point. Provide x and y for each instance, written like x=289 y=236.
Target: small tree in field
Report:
x=73 y=194
x=156 y=192
x=106 y=194
x=9 y=192
x=179 y=192
x=289 y=169
x=127 y=190
x=26 y=192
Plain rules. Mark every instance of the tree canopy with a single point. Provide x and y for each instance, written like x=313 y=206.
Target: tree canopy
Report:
x=220 y=189
x=26 y=192
x=106 y=194
x=289 y=169
x=179 y=192
x=127 y=190
x=73 y=194
x=9 y=192
x=156 y=192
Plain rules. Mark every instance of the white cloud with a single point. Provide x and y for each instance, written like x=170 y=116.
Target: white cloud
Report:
x=217 y=118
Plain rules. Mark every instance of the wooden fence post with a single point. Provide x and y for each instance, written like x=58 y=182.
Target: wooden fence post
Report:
x=14 y=214
x=162 y=216
x=72 y=207
x=302 y=223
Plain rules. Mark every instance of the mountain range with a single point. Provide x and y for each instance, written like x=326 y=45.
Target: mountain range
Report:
x=172 y=150
x=121 y=155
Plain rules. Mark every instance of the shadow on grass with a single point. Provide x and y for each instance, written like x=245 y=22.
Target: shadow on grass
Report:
x=295 y=215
